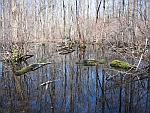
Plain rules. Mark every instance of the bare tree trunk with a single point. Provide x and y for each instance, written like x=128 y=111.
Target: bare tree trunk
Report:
x=34 y=20
x=97 y=10
x=78 y=24
x=88 y=17
x=123 y=6
x=148 y=10
x=42 y=18
x=71 y=19
x=113 y=8
x=103 y=34
x=135 y=16
x=64 y=19
x=52 y=18
x=88 y=9
x=22 y=31
x=108 y=12
x=140 y=9
x=130 y=11
x=3 y=22
x=135 y=10
x=15 y=38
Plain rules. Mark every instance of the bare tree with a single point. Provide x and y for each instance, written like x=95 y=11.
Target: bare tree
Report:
x=14 y=22
x=135 y=9
x=113 y=7
x=64 y=19
x=2 y=20
x=148 y=10
x=78 y=24
x=97 y=9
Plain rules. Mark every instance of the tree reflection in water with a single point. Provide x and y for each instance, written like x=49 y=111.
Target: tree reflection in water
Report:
x=75 y=88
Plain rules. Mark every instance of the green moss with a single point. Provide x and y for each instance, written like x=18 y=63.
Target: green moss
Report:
x=25 y=69
x=120 y=64
x=102 y=61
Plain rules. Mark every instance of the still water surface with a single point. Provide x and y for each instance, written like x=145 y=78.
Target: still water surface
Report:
x=0 y=68
x=75 y=88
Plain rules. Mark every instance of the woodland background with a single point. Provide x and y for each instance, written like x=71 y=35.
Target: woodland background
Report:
x=45 y=20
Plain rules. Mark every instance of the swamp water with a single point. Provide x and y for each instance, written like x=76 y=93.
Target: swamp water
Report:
x=74 y=88
x=0 y=68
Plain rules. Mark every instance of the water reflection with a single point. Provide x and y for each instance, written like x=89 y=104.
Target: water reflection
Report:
x=0 y=68
x=75 y=88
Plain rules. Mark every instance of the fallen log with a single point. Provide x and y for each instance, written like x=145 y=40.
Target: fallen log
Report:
x=29 y=68
x=32 y=67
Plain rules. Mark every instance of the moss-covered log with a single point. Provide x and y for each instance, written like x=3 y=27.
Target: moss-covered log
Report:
x=29 y=68
x=32 y=67
x=26 y=69
x=120 y=64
